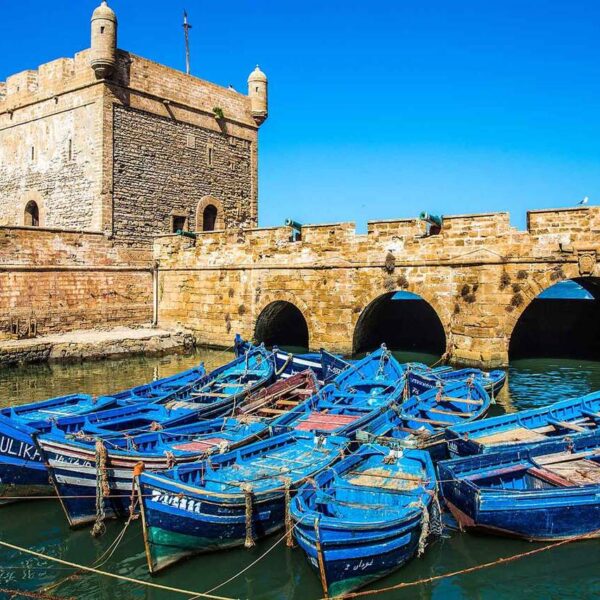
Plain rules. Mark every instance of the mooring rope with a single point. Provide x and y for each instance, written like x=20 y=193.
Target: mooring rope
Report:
x=39 y=596
x=249 y=541
x=113 y=575
x=499 y=561
x=102 y=489
x=288 y=512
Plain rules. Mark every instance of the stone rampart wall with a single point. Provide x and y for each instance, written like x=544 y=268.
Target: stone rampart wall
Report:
x=61 y=280
x=479 y=275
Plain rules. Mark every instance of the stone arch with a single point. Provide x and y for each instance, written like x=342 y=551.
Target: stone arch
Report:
x=536 y=284
x=32 y=210
x=555 y=327
x=370 y=324
x=276 y=302
x=207 y=203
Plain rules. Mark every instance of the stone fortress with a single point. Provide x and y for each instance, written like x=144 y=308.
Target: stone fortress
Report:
x=111 y=142
x=104 y=157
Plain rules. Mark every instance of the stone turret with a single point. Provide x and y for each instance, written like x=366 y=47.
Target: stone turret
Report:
x=104 y=41
x=258 y=93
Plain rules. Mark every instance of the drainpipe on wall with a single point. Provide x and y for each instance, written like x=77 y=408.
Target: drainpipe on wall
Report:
x=155 y=295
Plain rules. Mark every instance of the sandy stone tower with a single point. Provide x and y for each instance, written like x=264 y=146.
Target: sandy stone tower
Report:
x=104 y=41
x=111 y=142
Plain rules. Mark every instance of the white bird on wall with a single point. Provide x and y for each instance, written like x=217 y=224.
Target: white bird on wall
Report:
x=582 y=202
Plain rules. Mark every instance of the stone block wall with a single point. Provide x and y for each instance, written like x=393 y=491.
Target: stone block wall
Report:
x=50 y=146
x=163 y=167
x=65 y=280
x=479 y=274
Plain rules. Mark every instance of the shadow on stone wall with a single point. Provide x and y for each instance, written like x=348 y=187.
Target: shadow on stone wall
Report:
x=559 y=329
x=409 y=325
x=281 y=323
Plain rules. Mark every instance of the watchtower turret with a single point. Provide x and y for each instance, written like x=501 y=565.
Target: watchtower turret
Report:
x=258 y=93
x=104 y=41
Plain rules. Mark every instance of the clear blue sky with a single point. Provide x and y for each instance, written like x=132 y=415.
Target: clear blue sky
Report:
x=379 y=109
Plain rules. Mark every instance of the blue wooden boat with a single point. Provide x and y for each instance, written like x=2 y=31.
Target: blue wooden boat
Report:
x=325 y=365
x=492 y=381
x=366 y=516
x=22 y=472
x=353 y=401
x=356 y=397
x=160 y=387
x=573 y=418
x=73 y=462
x=22 y=469
x=230 y=499
x=549 y=491
x=421 y=420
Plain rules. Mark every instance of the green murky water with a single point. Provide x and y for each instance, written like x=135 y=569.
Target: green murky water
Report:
x=571 y=571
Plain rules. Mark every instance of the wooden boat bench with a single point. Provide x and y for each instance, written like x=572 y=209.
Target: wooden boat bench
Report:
x=567 y=425
x=461 y=400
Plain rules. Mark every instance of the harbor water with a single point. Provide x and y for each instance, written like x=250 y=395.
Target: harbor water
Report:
x=568 y=571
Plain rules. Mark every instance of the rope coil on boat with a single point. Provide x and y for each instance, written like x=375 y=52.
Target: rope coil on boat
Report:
x=289 y=526
x=102 y=489
x=249 y=541
x=285 y=365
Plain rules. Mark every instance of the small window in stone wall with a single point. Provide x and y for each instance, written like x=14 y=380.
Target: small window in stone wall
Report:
x=178 y=223
x=209 y=155
x=32 y=214
x=190 y=141
x=209 y=218
x=70 y=150
x=32 y=153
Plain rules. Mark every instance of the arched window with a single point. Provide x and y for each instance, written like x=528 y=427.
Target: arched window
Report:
x=210 y=214
x=32 y=214
x=209 y=218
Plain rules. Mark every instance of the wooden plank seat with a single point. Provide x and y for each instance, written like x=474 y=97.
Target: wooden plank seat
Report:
x=287 y=402
x=510 y=436
x=549 y=477
x=200 y=445
x=381 y=478
x=271 y=411
x=211 y=394
x=327 y=422
x=462 y=400
x=567 y=425
x=577 y=472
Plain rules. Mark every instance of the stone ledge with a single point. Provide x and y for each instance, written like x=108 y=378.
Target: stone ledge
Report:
x=94 y=344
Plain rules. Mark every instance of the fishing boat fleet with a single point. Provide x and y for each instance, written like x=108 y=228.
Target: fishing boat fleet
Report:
x=355 y=461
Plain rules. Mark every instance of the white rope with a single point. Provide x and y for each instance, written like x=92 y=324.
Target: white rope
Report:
x=113 y=575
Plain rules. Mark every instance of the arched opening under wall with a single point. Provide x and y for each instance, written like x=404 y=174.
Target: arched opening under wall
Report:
x=209 y=218
x=32 y=214
x=562 y=322
x=282 y=323
x=403 y=321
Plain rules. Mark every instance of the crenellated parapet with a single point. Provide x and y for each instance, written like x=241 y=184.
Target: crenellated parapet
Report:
x=478 y=274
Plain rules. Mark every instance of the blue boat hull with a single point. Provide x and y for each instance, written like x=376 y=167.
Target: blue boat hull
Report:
x=180 y=525
x=536 y=517
x=365 y=563
x=550 y=491
x=22 y=471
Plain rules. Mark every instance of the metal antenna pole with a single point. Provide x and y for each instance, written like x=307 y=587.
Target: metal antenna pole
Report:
x=186 y=29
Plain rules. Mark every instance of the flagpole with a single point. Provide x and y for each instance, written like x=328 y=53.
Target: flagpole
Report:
x=186 y=29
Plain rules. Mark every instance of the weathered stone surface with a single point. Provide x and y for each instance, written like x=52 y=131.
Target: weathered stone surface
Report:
x=80 y=345
x=479 y=274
